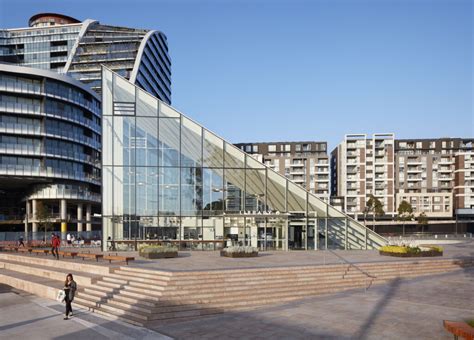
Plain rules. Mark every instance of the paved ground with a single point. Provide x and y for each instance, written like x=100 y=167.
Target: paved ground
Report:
x=24 y=316
x=209 y=260
x=412 y=309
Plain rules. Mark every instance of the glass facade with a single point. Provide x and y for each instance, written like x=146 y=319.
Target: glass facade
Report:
x=167 y=178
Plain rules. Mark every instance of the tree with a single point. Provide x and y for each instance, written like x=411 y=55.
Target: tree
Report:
x=422 y=221
x=375 y=207
x=43 y=216
x=405 y=213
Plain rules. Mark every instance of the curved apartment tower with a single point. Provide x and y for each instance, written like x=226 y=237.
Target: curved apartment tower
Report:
x=67 y=45
x=50 y=127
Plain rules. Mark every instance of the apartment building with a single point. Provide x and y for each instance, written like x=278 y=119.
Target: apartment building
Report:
x=361 y=166
x=304 y=163
x=436 y=176
x=425 y=173
x=464 y=182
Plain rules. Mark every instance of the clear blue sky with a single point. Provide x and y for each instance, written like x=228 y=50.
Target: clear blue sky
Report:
x=305 y=70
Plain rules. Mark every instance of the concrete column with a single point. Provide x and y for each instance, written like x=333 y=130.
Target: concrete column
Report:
x=89 y=217
x=34 y=228
x=63 y=215
x=26 y=218
x=79 y=217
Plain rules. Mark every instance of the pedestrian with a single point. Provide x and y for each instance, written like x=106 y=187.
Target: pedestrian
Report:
x=73 y=239
x=70 y=288
x=68 y=238
x=55 y=244
x=20 y=242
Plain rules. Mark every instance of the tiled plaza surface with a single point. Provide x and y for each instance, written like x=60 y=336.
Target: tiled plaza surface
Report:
x=209 y=260
x=25 y=316
x=403 y=309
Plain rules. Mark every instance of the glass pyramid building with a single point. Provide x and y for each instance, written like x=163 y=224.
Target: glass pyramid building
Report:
x=165 y=177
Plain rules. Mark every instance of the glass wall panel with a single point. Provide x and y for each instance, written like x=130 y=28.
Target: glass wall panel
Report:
x=276 y=192
x=124 y=91
x=169 y=191
x=191 y=191
x=107 y=99
x=124 y=190
x=192 y=228
x=147 y=105
x=296 y=198
x=123 y=145
x=233 y=157
x=234 y=230
x=213 y=226
x=213 y=150
x=255 y=190
x=168 y=112
x=234 y=189
x=107 y=140
x=297 y=232
x=191 y=143
x=316 y=207
x=169 y=142
x=276 y=233
x=255 y=229
x=145 y=141
x=169 y=228
x=213 y=192
x=147 y=191
x=107 y=192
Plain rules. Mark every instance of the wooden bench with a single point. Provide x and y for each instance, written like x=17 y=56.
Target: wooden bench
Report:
x=68 y=253
x=118 y=258
x=24 y=250
x=459 y=329
x=9 y=248
x=40 y=251
x=90 y=256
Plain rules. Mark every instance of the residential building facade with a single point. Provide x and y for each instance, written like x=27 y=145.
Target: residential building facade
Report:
x=49 y=150
x=66 y=45
x=50 y=132
x=362 y=166
x=304 y=163
x=433 y=175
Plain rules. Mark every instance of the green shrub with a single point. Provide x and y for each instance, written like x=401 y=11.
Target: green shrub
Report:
x=240 y=249
x=157 y=249
x=470 y=322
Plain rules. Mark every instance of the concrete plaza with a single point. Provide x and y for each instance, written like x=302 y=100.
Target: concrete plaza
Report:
x=402 y=309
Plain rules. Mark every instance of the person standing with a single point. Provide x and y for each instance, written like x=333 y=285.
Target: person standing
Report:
x=70 y=288
x=55 y=244
x=68 y=239
x=20 y=242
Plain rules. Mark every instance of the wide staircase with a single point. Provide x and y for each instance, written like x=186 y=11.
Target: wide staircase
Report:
x=147 y=297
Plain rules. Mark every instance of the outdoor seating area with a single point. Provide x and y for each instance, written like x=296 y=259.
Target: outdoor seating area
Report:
x=67 y=253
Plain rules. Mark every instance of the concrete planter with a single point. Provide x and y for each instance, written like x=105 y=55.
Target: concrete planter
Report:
x=161 y=255
x=236 y=255
x=429 y=253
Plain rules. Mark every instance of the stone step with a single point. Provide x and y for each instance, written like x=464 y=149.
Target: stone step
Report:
x=243 y=276
x=49 y=272
x=63 y=264
x=114 y=309
x=209 y=282
x=100 y=310
x=146 y=271
x=138 y=279
x=114 y=280
x=104 y=283
x=153 y=276
x=210 y=278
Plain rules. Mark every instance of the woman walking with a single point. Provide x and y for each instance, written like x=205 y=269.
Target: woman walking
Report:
x=70 y=288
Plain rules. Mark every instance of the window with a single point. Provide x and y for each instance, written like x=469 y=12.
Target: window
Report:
x=272 y=148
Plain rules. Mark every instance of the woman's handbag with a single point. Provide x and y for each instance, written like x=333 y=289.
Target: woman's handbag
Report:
x=61 y=296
